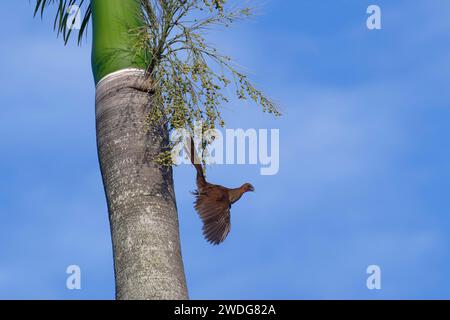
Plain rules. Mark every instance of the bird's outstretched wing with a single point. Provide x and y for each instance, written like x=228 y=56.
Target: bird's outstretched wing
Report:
x=213 y=206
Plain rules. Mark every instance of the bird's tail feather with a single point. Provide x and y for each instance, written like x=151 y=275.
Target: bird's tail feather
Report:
x=196 y=163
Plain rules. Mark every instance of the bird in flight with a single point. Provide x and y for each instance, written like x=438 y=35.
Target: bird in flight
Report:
x=213 y=203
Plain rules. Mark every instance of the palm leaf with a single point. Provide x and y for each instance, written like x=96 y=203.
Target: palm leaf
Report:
x=63 y=14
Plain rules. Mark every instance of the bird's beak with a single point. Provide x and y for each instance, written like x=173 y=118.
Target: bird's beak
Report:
x=252 y=189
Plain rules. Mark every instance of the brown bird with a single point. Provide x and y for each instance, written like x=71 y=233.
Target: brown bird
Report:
x=213 y=203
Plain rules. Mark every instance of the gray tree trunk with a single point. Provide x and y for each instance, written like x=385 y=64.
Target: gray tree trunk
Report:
x=140 y=193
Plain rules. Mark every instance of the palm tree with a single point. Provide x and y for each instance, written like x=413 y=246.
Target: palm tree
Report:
x=151 y=66
x=139 y=192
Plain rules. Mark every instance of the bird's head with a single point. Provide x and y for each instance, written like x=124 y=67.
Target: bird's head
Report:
x=248 y=188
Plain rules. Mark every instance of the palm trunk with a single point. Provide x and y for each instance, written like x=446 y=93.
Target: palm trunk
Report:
x=139 y=192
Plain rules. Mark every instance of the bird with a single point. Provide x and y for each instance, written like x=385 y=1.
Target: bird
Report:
x=213 y=203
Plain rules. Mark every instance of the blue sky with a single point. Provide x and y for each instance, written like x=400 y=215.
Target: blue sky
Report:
x=364 y=173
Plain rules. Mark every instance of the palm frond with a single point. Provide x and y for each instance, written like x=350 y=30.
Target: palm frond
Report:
x=60 y=24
